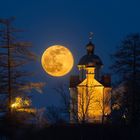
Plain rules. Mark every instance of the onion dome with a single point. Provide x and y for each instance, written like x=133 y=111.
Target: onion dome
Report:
x=90 y=59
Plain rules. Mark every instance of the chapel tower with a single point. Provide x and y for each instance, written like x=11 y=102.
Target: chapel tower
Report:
x=89 y=91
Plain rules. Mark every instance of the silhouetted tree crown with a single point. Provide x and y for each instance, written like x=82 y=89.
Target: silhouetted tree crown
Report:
x=127 y=67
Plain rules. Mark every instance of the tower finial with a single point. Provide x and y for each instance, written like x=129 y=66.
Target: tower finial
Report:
x=90 y=36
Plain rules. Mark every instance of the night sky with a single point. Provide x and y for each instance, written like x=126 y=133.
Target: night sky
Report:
x=68 y=22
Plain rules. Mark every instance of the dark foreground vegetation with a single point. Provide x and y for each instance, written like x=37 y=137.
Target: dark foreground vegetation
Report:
x=70 y=132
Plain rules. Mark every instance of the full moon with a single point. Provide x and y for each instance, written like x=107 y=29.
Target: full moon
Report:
x=57 y=60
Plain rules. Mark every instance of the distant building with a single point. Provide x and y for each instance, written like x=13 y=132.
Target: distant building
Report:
x=89 y=91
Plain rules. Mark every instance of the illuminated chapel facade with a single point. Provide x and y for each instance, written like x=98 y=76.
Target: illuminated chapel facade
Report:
x=90 y=91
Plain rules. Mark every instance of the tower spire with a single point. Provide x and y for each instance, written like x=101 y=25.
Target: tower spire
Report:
x=90 y=36
x=90 y=46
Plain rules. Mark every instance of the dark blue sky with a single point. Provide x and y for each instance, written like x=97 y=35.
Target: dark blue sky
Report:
x=68 y=22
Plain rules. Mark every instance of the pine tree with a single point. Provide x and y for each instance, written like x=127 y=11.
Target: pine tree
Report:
x=127 y=66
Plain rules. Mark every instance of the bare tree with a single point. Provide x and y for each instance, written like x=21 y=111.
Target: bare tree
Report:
x=118 y=101
x=85 y=103
x=62 y=90
x=105 y=106
x=80 y=104
x=127 y=65
x=13 y=57
x=54 y=115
